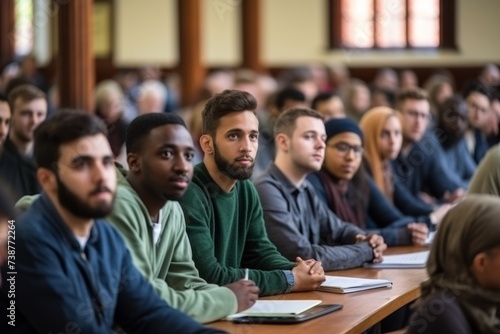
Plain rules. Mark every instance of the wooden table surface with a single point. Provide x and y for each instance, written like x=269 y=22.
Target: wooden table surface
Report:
x=361 y=310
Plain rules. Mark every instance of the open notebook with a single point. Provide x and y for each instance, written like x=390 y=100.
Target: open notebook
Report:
x=276 y=308
x=408 y=260
x=339 y=284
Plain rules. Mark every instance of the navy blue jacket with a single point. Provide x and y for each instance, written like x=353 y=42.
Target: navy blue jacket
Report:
x=380 y=215
x=481 y=146
x=60 y=288
x=423 y=170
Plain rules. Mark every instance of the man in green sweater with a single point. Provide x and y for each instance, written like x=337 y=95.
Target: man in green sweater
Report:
x=222 y=209
x=159 y=153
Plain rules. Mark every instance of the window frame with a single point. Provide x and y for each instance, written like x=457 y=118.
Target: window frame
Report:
x=447 y=28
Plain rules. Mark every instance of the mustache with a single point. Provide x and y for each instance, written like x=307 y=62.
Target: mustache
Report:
x=244 y=157
x=100 y=189
x=180 y=177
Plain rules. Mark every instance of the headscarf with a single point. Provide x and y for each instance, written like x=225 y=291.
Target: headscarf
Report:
x=486 y=179
x=337 y=126
x=338 y=191
x=468 y=229
x=372 y=123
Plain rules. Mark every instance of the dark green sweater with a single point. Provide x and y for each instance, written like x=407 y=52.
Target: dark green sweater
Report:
x=227 y=234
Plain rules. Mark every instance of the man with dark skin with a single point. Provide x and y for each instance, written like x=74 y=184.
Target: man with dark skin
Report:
x=160 y=155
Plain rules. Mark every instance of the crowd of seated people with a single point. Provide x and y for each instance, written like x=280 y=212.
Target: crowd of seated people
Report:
x=282 y=179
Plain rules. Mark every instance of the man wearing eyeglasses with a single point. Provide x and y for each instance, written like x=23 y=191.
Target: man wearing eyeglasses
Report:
x=296 y=220
x=420 y=166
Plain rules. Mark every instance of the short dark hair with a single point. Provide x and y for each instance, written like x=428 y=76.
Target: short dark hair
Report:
x=63 y=127
x=289 y=93
x=413 y=93
x=222 y=104
x=322 y=97
x=476 y=87
x=27 y=93
x=3 y=98
x=142 y=125
x=286 y=121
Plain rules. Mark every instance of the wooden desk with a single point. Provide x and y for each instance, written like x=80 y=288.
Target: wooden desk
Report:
x=361 y=310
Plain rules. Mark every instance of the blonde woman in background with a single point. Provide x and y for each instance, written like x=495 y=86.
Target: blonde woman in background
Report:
x=383 y=139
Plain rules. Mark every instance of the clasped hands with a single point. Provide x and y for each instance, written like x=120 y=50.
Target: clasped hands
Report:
x=377 y=244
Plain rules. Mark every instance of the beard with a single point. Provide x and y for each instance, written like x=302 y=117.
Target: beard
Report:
x=74 y=204
x=232 y=170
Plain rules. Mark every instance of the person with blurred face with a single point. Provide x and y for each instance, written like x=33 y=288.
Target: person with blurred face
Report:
x=72 y=266
x=358 y=99
x=285 y=99
x=387 y=79
x=28 y=105
x=109 y=105
x=329 y=105
x=313 y=230
x=439 y=87
x=420 y=166
x=222 y=208
x=477 y=98
x=351 y=194
x=408 y=79
x=383 y=139
x=451 y=127
x=4 y=120
x=17 y=171
x=462 y=293
x=160 y=153
x=415 y=115
x=151 y=98
x=490 y=76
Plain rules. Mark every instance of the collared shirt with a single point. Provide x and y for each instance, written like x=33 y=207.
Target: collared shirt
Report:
x=301 y=225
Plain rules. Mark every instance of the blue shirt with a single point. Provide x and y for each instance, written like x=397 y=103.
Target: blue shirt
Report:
x=60 y=287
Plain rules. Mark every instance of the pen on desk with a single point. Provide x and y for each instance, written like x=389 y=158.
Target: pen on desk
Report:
x=246 y=274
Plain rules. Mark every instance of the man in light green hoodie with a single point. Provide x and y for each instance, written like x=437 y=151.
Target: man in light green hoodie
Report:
x=159 y=153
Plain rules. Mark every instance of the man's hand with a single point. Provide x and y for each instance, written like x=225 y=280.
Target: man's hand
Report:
x=419 y=232
x=316 y=266
x=304 y=279
x=246 y=293
x=377 y=244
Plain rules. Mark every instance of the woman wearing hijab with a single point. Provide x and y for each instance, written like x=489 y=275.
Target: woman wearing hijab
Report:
x=486 y=179
x=382 y=130
x=462 y=294
x=352 y=195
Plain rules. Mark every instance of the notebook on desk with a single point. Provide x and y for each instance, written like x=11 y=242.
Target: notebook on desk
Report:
x=277 y=308
x=283 y=312
x=339 y=284
x=408 y=260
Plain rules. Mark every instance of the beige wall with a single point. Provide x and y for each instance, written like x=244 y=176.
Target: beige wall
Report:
x=145 y=32
x=293 y=32
x=221 y=31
